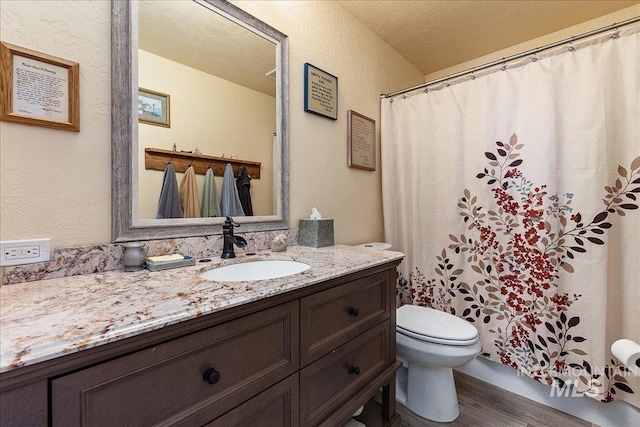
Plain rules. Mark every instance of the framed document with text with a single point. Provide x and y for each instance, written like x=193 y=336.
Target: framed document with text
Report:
x=320 y=92
x=39 y=89
x=361 y=141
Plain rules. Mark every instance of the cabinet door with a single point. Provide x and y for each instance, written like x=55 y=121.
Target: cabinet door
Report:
x=328 y=383
x=274 y=407
x=331 y=318
x=189 y=380
x=24 y=406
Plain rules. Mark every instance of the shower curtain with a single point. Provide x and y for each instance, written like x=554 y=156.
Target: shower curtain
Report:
x=514 y=194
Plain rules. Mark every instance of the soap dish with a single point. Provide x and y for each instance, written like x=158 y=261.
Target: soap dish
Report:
x=188 y=260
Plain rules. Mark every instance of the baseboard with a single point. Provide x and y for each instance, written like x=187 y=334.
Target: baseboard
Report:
x=615 y=414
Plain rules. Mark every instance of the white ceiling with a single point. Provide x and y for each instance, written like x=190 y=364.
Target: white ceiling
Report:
x=437 y=34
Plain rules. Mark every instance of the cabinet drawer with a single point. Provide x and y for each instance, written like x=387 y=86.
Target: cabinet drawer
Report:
x=165 y=384
x=275 y=407
x=328 y=383
x=330 y=318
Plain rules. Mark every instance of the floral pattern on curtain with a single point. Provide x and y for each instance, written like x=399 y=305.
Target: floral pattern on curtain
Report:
x=533 y=238
x=516 y=253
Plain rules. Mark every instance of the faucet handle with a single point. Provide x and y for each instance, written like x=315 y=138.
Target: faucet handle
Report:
x=231 y=222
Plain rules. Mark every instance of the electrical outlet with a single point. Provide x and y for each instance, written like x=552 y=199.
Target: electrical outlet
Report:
x=16 y=252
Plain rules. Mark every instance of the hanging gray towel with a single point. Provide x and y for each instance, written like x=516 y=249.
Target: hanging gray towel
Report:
x=210 y=206
x=229 y=201
x=169 y=205
x=244 y=186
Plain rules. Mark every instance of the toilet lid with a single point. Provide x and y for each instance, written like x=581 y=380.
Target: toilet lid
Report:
x=436 y=326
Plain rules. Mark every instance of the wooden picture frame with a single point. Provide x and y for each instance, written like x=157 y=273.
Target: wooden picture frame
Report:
x=39 y=89
x=154 y=108
x=320 y=92
x=361 y=141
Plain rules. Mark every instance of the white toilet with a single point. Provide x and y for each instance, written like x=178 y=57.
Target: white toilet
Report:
x=430 y=343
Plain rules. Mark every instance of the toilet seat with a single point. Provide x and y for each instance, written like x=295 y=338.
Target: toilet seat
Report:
x=435 y=326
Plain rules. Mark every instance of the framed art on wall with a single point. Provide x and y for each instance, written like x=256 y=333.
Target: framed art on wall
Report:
x=39 y=89
x=361 y=141
x=320 y=92
x=154 y=108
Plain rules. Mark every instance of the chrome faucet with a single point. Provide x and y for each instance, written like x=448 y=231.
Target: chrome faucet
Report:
x=230 y=239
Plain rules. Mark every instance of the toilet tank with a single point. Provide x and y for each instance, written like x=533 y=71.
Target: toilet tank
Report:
x=381 y=246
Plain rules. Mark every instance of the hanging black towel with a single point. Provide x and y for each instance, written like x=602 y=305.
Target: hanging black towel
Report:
x=243 y=182
x=169 y=205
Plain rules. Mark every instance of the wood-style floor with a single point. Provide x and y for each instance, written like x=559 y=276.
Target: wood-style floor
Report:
x=484 y=405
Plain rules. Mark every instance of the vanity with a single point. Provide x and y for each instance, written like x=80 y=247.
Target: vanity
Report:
x=169 y=348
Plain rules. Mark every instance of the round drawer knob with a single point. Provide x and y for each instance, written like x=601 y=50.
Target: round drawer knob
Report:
x=354 y=370
x=353 y=311
x=211 y=376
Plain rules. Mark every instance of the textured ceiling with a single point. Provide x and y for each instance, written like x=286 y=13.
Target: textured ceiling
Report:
x=431 y=34
x=434 y=35
x=187 y=33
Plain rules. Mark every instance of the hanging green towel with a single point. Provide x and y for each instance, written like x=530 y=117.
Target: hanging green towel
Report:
x=210 y=205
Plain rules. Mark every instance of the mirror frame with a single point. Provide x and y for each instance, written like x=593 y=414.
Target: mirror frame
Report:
x=125 y=225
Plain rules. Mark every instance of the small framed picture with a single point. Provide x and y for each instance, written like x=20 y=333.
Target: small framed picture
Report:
x=320 y=92
x=153 y=108
x=361 y=141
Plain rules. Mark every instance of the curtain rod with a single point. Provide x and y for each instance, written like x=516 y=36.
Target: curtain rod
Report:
x=613 y=26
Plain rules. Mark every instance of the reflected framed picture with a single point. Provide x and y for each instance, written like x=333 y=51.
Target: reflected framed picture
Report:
x=154 y=108
x=361 y=141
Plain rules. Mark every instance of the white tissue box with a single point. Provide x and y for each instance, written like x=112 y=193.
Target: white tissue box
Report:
x=315 y=233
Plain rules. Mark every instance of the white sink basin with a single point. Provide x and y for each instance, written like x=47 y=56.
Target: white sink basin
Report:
x=255 y=270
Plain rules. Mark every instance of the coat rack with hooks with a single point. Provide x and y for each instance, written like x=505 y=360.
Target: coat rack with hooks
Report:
x=157 y=159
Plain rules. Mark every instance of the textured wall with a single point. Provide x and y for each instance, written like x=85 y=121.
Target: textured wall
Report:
x=57 y=184
x=328 y=37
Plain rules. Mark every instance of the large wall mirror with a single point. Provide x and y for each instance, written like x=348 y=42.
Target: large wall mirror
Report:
x=198 y=83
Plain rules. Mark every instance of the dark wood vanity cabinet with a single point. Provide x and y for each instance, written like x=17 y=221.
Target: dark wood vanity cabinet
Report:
x=344 y=343
x=186 y=381
x=308 y=357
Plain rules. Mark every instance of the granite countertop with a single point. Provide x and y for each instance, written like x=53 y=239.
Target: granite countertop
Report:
x=46 y=319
